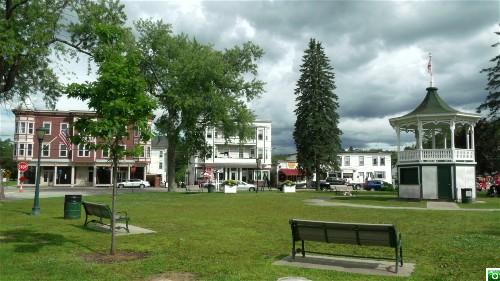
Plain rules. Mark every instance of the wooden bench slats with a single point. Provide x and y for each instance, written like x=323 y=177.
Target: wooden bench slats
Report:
x=384 y=235
x=102 y=211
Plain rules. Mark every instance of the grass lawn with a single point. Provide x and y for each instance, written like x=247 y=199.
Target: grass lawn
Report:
x=483 y=202
x=233 y=237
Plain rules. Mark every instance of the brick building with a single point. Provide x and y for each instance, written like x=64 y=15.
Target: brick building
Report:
x=69 y=166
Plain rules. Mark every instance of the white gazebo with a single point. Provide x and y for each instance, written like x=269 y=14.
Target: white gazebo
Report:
x=436 y=168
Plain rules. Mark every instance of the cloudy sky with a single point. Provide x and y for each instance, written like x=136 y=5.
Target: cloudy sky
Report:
x=379 y=51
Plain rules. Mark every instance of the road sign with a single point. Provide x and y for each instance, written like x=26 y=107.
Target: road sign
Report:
x=22 y=166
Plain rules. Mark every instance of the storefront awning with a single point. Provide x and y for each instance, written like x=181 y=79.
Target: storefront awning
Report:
x=290 y=172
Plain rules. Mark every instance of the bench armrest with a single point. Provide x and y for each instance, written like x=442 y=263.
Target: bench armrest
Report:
x=122 y=212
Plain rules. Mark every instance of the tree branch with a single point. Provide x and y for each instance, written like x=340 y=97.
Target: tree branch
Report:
x=10 y=10
x=71 y=45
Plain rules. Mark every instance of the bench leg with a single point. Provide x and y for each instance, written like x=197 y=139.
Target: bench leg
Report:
x=86 y=217
x=397 y=260
x=293 y=248
x=303 y=250
x=401 y=255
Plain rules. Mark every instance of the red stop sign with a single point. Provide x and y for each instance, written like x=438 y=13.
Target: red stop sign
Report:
x=22 y=166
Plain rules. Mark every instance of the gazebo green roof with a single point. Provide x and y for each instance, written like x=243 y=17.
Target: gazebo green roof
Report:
x=433 y=107
x=432 y=104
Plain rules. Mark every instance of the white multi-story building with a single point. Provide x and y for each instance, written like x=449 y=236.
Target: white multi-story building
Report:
x=248 y=161
x=358 y=166
x=157 y=168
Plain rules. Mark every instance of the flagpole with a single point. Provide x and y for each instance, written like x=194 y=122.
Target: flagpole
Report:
x=429 y=69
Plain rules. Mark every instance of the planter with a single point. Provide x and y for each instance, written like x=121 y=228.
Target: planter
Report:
x=229 y=189
x=288 y=188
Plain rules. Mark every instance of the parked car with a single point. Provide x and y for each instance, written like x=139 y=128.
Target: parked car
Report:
x=374 y=185
x=134 y=183
x=336 y=181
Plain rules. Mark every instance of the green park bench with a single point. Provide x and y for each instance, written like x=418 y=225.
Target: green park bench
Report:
x=102 y=211
x=384 y=235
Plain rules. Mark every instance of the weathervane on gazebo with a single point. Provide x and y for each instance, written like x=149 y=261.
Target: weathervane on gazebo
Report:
x=429 y=68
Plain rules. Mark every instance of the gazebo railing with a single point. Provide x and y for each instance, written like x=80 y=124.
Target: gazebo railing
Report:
x=436 y=155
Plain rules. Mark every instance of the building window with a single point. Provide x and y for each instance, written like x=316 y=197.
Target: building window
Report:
x=347 y=160
x=15 y=149
x=137 y=132
x=361 y=160
x=209 y=135
x=29 y=151
x=216 y=133
x=22 y=128
x=382 y=161
x=148 y=152
x=267 y=133
x=339 y=159
x=83 y=150
x=21 y=149
x=260 y=135
x=161 y=153
x=63 y=150
x=361 y=175
x=47 y=126
x=64 y=128
x=260 y=153
x=105 y=153
x=45 y=150
x=160 y=166
x=252 y=152
x=375 y=161
x=30 y=128
x=408 y=176
x=379 y=175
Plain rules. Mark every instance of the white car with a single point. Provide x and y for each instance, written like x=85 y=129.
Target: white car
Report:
x=245 y=186
x=133 y=183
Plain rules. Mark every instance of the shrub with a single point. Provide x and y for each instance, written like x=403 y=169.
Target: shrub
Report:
x=231 y=182
x=288 y=183
x=387 y=187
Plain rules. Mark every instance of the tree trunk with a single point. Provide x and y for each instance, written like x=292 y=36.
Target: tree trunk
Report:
x=113 y=200
x=2 y=191
x=171 y=155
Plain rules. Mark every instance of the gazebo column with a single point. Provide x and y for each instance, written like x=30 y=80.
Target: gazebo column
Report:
x=420 y=135
x=399 y=139
x=445 y=139
x=472 y=137
x=452 y=136
x=433 y=139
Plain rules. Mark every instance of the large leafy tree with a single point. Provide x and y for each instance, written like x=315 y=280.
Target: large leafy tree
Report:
x=7 y=164
x=316 y=134
x=119 y=99
x=487 y=130
x=33 y=30
x=197 y=87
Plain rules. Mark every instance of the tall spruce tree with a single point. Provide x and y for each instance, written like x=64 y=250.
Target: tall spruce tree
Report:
x=316 y=135
x=487 y=130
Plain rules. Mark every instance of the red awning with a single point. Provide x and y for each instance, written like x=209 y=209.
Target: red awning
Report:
x=290 y=172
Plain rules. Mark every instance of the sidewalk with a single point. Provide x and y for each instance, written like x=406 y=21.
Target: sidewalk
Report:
x=431 y=206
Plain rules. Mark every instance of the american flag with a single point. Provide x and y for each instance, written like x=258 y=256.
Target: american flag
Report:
x=64 y=137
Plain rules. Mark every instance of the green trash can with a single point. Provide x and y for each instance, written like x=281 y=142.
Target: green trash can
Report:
x=466 y=195
x=72 y=206
x=210 y=187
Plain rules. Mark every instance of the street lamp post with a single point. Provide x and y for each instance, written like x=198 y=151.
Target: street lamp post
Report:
x=35 y=211
x=258 y=160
